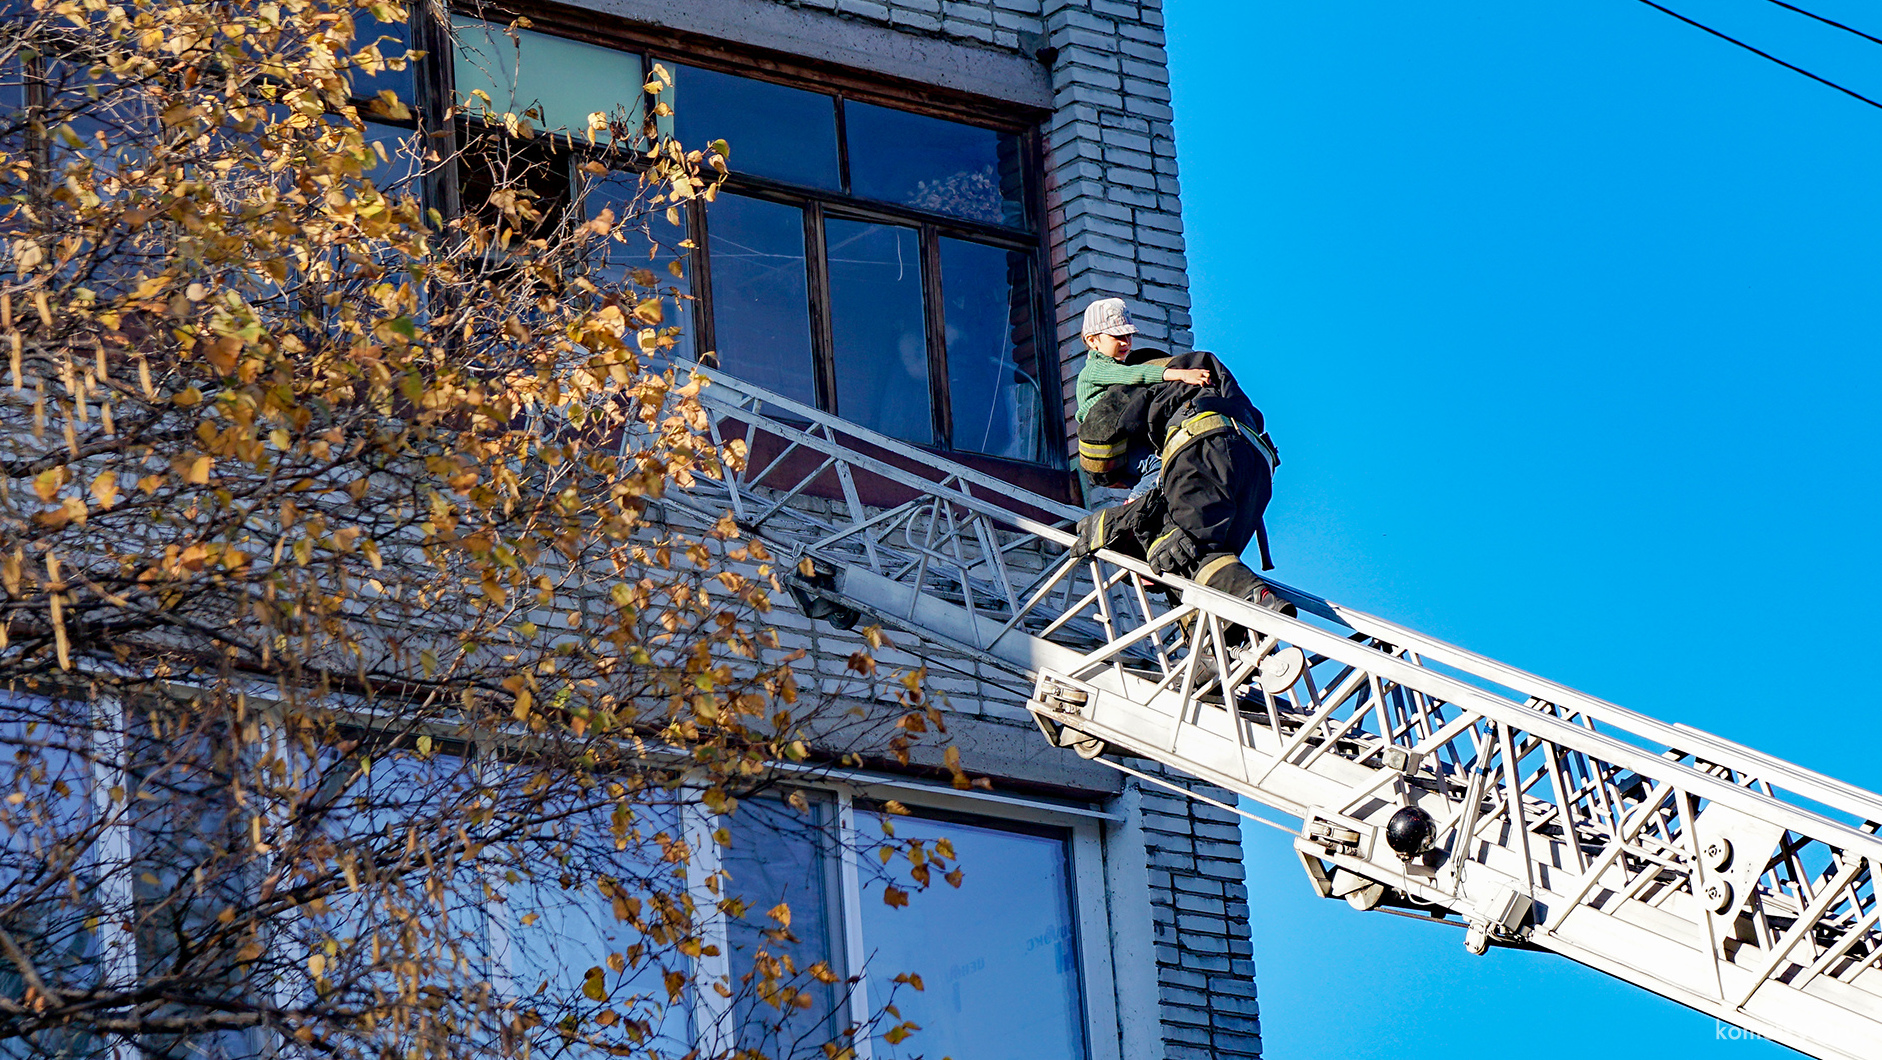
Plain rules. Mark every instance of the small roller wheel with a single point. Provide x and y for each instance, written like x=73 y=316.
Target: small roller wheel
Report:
x=1089 y=747
x=1065 y=699
x=1279 y=670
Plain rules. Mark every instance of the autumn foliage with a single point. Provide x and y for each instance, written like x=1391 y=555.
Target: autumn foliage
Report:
x=344 y=629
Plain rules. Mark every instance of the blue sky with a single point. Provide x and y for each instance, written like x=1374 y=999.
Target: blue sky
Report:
x=1566 y=318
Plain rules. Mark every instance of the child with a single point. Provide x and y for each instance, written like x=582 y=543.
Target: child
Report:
x=1107 y=332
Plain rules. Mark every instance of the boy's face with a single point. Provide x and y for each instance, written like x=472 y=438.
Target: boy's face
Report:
x=1116 y=347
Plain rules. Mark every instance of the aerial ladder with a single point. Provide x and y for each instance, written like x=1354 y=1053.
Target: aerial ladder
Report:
x=1429 y=780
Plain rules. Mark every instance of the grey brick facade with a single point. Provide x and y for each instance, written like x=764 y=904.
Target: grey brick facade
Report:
x=1205 y=964
x=1115 y=214
x=1177 y=906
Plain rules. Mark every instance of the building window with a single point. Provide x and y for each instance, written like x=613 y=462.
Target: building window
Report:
x=779 y=856
x=47 y=756
x=870 y=261
x=761 y=295
x=778 y=132
x=878 y=327
x=998 y=956
x=562 y=920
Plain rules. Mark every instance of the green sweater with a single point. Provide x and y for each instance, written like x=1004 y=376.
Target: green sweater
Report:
x=1101 y=372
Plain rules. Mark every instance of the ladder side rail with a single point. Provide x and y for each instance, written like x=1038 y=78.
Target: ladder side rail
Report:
x=900 y=448
x=1557 y=730
x=988 y=516
x=1660 y=874
x=1608 y=751
x=1794 y=778
x=754 y=403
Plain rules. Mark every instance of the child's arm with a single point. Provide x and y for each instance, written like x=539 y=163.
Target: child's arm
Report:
x=1192 y=376
x=1103 y=371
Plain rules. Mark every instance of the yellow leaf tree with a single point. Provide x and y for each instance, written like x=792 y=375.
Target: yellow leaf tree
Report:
x=346 y=646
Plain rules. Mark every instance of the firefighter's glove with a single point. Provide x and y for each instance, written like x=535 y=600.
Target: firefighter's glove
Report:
x=1094 y=532
x=1174 y=551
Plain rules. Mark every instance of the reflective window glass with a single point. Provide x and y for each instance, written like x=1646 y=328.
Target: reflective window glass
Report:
x=881 y=346
x=781 y=857
x=774 y=131
x=183 y=819
x=760 y=294
x=12 y=106
x=44 y=757
x=398 y=157
x=116 y=125
x=560 y=919
x=392 y=39
x=646 y=249
x=932 y=164
x=995 y=389
x=403 y=792
x=562 y=80
x=114 y=122
x=998 y=956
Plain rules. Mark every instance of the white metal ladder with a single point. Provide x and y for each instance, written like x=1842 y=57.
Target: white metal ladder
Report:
x=1730 y=881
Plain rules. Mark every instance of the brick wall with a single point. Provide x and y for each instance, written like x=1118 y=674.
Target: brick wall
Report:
x=1199 y=909
x=1115 y=219
x=1014 y=25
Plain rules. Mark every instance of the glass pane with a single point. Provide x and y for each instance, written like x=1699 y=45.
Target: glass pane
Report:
x=779 y=856
x=116 y=125
x=561 y=921
x=774 y=131
x=12 y=106
x=876 y=317
x=645 y=249
x=760 y=297
x=113 y=121
x=562 y=80
x=405 y=792
x=994 y=380
x=43 y=749
x=183 y=819
x=399 y=155
x=392 y=39
x=932 y=164
x=998 y=956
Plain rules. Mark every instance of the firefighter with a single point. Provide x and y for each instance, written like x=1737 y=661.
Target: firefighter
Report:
x=1214 y=487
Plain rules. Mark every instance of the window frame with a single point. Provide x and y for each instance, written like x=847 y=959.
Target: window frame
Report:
x=1083 y=829
x=931 y=229
x=678 y=48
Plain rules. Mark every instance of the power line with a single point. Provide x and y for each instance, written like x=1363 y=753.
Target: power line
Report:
x=1755 y=51
x=1826 y=21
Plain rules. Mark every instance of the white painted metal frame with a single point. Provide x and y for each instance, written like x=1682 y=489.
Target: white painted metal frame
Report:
x=1707 y=872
